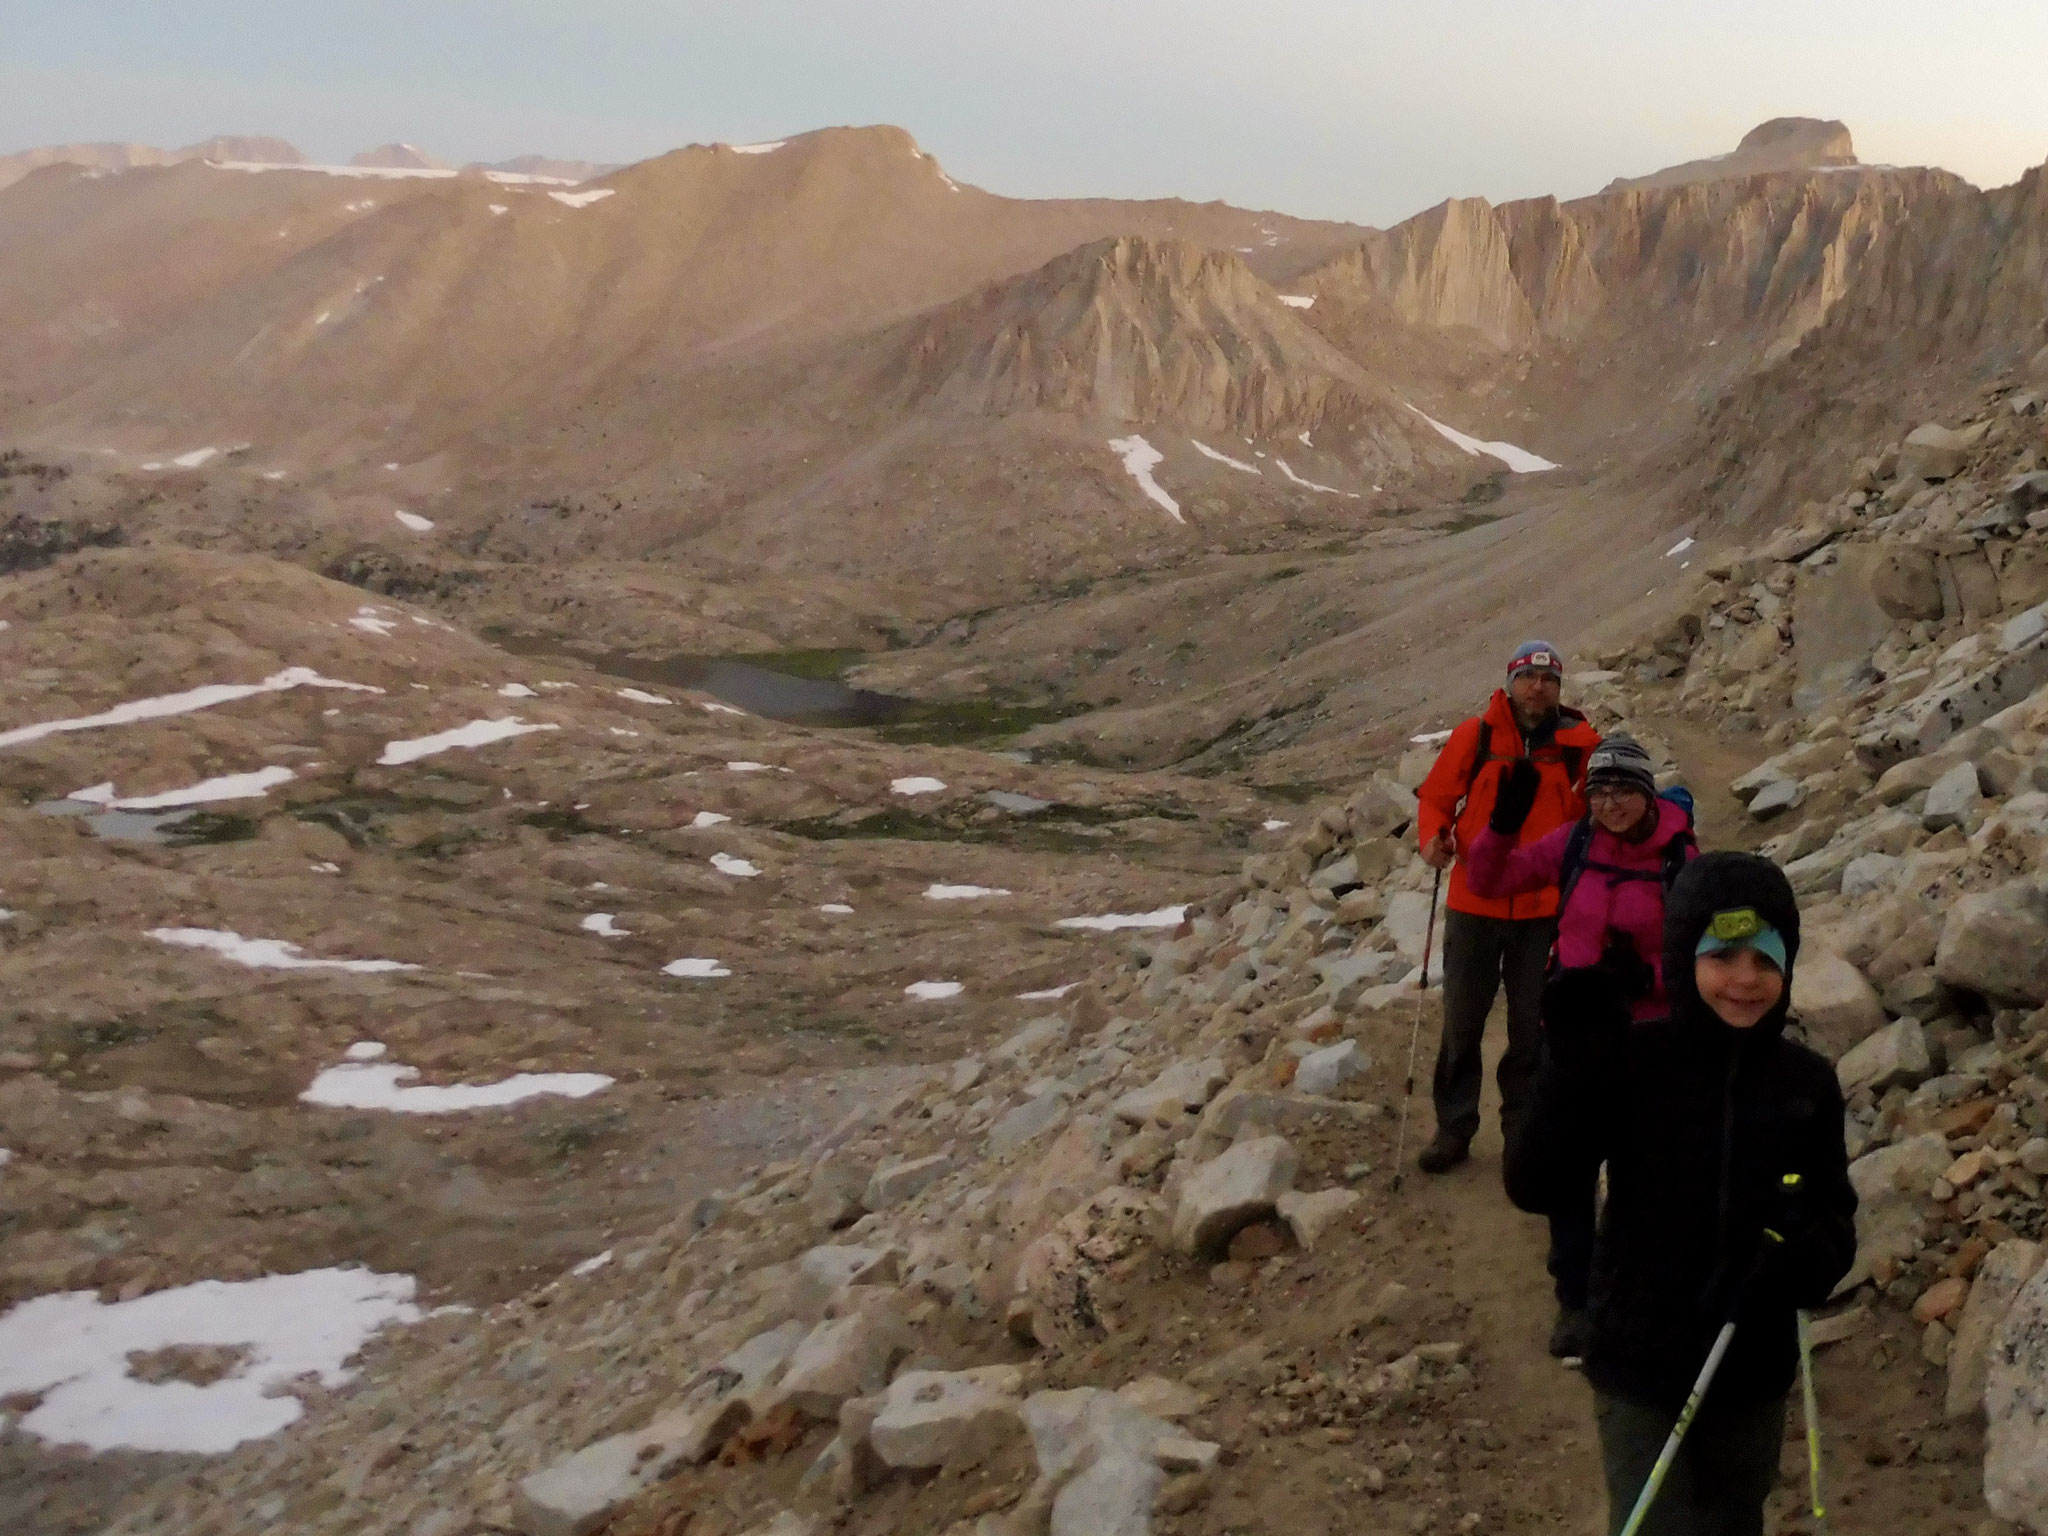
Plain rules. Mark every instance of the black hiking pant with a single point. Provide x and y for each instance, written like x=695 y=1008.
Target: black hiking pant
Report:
x=1572 y=1229
x=1481 y=956
x=1727 y=1465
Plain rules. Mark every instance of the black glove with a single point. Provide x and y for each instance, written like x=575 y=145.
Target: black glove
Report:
x=1585 y=1017
x=1516 y=795
x=1632 y=975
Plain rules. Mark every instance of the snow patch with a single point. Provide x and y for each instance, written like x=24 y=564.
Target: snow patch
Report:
x=1273 y=824
x=758 y=149
x=712 y=706
x=582 y=199
x=1047 y=994
x=180 y=704
x=1312 y=485
x=709 y=819
x=1165 y=917
x=264 y=954
x=639 y=696
x=387 y=1085
x=916 y=785
x=365 y=1050
x=696 y=968
x=932 y=991
x=195 y=458
x=371 y=622
x=232 y=786
x=76 y=1351
x=962 y=892
x=739 y=869
x=478 y=733
x=836 y=908
x=1520 y=460
x=746 y=767
x=1430 y=738
x=415 y=522
x=1139 y=459
x=591 y=1265
x=1223 y=458
x=1297 y=300
x=606 y=925
x=517 y=691
x=1679 y=548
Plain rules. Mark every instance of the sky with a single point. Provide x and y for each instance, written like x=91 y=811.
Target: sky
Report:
x=1365 y=110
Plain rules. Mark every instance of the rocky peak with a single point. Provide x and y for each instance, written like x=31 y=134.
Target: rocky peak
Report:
x=402 y=157
x=1782 y=144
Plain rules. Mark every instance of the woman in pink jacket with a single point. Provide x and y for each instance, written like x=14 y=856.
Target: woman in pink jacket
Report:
x=1613 y=869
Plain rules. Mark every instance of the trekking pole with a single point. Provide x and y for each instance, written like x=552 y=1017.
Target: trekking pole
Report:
x=1690 y=1411
x=1813 y=1481
x=1415 y=1033
x=1809 y=1399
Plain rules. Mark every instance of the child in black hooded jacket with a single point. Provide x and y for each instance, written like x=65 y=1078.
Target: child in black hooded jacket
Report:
x=1698 y=1119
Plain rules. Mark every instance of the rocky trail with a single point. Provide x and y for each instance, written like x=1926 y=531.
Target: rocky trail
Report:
x=461 y=1089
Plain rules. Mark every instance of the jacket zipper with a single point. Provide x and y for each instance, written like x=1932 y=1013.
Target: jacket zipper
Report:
x=1727 y=1155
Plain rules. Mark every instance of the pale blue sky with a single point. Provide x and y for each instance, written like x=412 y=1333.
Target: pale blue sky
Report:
x=1358 y=109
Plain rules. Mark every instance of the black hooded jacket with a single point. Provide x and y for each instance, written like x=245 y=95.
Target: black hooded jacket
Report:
x=1697 y=1124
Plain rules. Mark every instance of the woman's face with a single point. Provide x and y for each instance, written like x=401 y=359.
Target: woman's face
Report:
x=1740 y=985
x=1617 y=808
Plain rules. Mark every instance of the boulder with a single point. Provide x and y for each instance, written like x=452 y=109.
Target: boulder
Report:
x=1161 y=1397
x=1932 y=452
x=1407 y=924
x=1382 y=809
x=1995 y=943
x=840 y=1358
x=1309 y=1216
x=1952 y=798
x=948 y=1418
x=580 y=1492
x=1999 y=1278
x=895 y=1183
x=1776 y=798
x=2016 y=1410
x=1890 y=1185
x=1103 y=1452
x=1347 y=976
x=1321 y=1071
x=1184 y=1085
x=1869 y=873
x=1033 y=1118
x=833 y=1197
x=1895 y=1055
x=1928 y=722
x=1062 y=1291
x=1906 y=584
x=1232 y=1191
x=1838 y=1007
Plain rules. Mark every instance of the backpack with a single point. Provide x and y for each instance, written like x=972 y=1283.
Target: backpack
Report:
x=1576 y=863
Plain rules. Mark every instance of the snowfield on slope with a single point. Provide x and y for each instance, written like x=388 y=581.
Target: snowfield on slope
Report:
x=1520 y=460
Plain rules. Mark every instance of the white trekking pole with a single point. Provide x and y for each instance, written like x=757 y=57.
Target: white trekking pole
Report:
x=1415 y=1033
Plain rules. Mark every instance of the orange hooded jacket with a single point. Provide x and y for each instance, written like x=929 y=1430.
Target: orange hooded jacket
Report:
x=1461 y=787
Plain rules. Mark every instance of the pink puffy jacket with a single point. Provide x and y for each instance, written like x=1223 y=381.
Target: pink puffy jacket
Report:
x=1602 y=902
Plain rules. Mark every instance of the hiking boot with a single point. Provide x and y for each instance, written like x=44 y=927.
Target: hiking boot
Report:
x=1573 y=1334
x=1443 y=1154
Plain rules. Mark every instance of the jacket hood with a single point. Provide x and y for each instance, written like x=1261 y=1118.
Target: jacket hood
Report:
x=1720 y=882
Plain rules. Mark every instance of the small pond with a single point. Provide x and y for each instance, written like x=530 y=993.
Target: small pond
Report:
x=804 y=688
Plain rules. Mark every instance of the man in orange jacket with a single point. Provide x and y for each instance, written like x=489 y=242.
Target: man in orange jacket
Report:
x=1491 y=943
